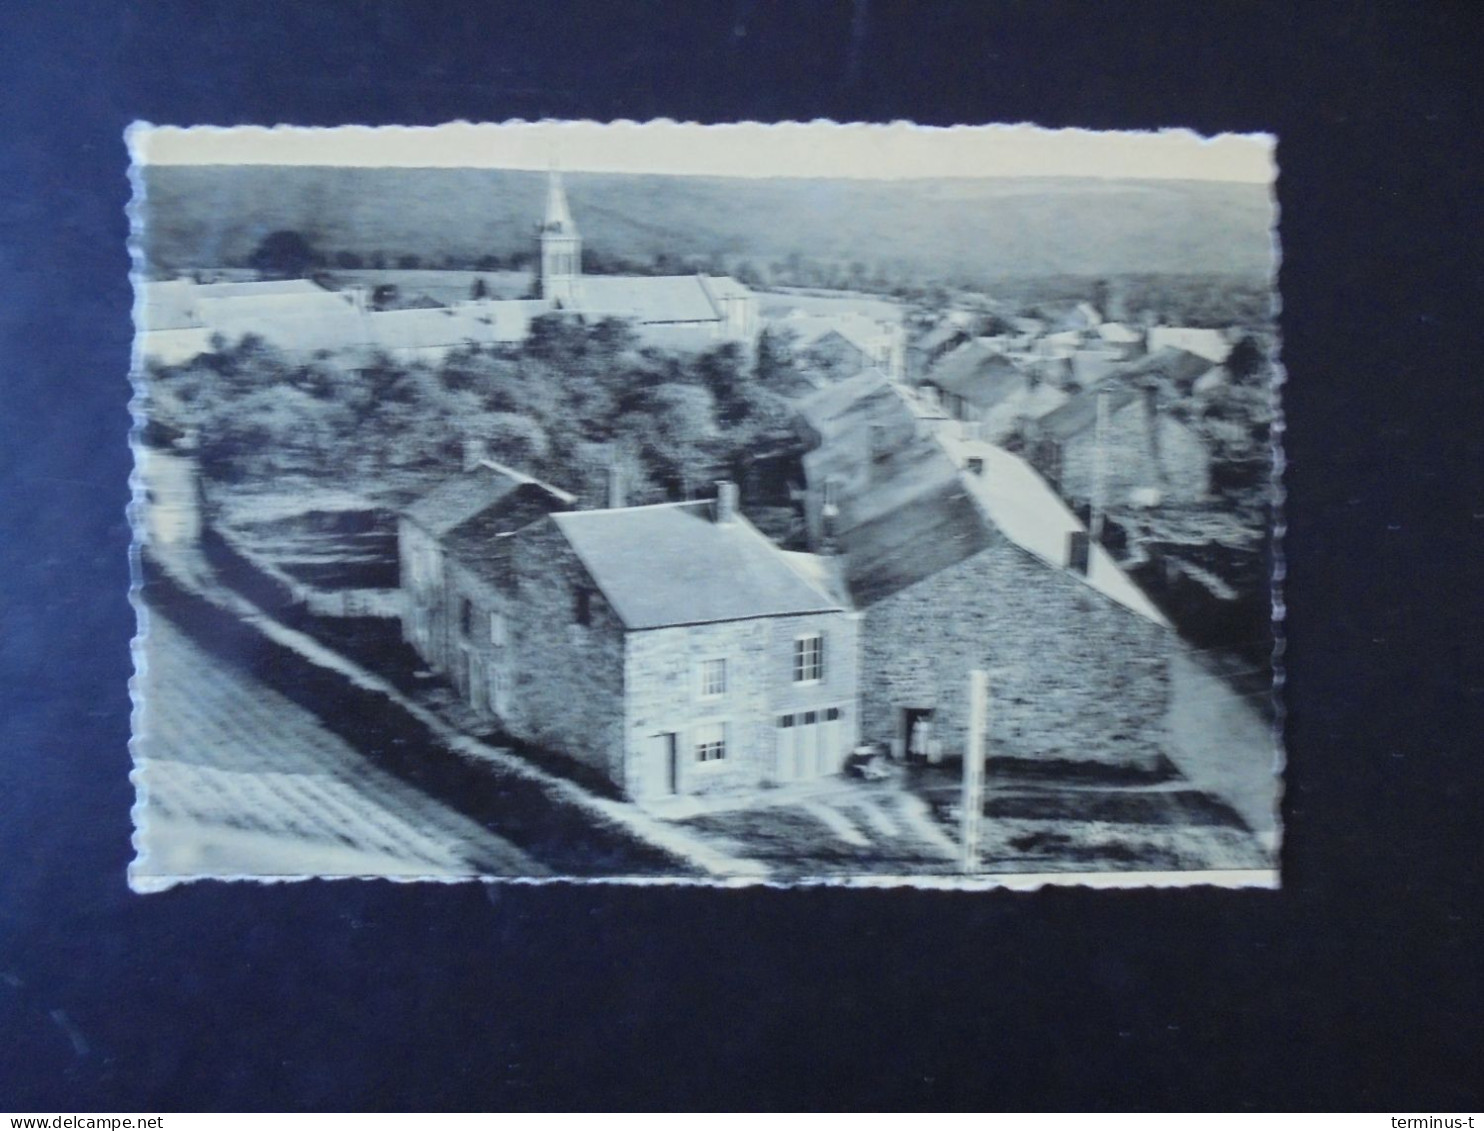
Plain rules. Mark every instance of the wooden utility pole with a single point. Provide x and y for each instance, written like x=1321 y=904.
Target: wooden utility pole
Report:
x=973 y=795
x=1099 y=473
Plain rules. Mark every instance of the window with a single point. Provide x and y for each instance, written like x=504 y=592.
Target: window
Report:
x=498 y=632
x=831 y=496
x=711 y=742
x=466 y=617
x=583 y=612
x=1079 y=551
x=832 y=715
x=809 y=658
x=713 y=678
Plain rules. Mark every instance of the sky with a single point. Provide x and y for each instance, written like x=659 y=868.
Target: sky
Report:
x=819 y=149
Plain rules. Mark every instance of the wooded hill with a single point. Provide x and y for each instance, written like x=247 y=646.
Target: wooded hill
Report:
x=960 y=230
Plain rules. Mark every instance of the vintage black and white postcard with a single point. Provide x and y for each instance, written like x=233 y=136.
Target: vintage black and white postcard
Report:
x=731 y=504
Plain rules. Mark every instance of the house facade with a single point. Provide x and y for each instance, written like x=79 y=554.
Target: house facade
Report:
x=738 y=669
x=1144 y=455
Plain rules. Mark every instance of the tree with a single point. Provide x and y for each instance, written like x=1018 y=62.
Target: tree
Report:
x=284 y=254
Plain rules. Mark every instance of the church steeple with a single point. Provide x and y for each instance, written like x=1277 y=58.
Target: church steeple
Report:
x=561 y=246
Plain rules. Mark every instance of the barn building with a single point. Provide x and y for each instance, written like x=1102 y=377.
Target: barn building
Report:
x=959 y=556
x=441 y=538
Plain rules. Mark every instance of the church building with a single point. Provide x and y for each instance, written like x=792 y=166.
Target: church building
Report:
x=676 y=311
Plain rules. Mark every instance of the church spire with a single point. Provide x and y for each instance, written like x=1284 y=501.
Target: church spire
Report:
x=561 y=247
x=558 y=217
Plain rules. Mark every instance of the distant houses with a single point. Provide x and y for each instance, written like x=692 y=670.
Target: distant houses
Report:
x=980 y=387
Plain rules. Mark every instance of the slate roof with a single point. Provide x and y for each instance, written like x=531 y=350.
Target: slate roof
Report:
x=1122 y=384
x=1180 y=367
x=929 y=525
x=839 y=420
x=295 y=321
x=484 y=323
x=943 y=334
x=672 y=564
x=1210 y=344
x=1081 y=412
x=1024 y=508
x=647 y=298
x=978 y=373
x=465 y=496
x=1026 y=402
x=479 y=542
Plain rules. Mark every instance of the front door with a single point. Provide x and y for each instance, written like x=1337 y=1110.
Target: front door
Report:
x=666 y=763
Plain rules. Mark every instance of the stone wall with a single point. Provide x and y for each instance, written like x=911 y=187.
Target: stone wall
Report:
x=566 y=692
x=420 y=565
x=1074 y=676
x=664 y=696
x=1144 y=449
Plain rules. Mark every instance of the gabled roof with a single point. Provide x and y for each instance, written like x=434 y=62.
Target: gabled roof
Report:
x=296 y=321
x=466 y=496
x=1118 y=333
x=1209 y=344
x=931 y=525
x=1026 y=402
x=860 y=331
x=1180 y=367
x=480 y=542
x=977 y=372
x=944 y=333
x=1024 y=508
x=673 y=564
x=647 y=298
x=841 y=416
x=1081 y=412
x=483 y=323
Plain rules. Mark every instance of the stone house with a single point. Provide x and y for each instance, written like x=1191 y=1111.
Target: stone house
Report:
x=959 y=556
x=438 y=536
x=987 y=392
x=1148 y=456
x=671 y=649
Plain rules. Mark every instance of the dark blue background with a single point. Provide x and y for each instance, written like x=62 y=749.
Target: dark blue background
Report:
x=1357 y=986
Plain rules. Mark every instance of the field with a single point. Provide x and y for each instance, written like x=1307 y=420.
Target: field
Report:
x=238 y=780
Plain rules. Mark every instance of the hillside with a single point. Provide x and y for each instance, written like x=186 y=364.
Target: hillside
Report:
x=201 y=216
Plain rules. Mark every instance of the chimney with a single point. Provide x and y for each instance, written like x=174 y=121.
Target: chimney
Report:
x=614 y=477
x=726 y=502
x=474 y=453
